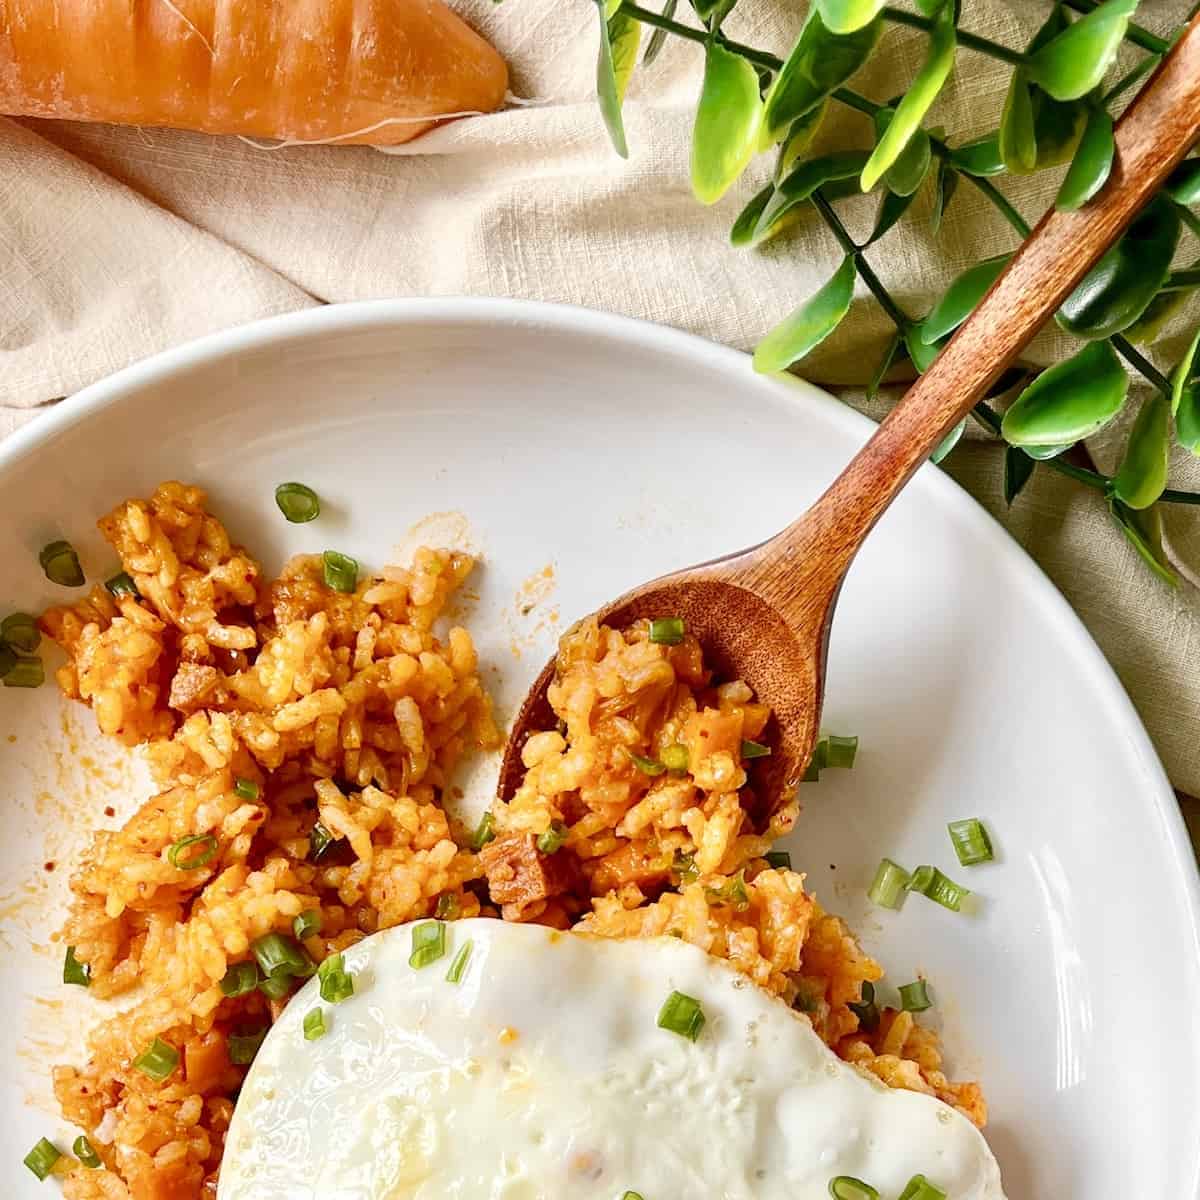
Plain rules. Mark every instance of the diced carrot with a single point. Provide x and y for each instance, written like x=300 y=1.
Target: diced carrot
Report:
x=206 y=1062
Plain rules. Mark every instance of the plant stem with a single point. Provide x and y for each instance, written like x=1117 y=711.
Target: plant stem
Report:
x=854 y=100
x=1181 y=281
x=898 y=16
x=1130 y=78
x=861 y=265
x=1133 y=33
x=1143 y=366
x=998 y=198
x=1188 y=217
x=648 y=17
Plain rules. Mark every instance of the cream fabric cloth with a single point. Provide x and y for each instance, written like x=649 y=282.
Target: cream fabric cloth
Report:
x=117 y=242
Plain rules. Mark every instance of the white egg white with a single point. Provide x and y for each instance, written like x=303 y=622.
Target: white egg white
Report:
x=543 y=1075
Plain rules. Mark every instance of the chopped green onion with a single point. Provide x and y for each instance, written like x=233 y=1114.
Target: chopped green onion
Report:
x=733 y=893
x=552 y=840
x=919 y=1188
x=831 y=751
x=846 y=1187
x=307 y=924
x=779 y=859
x=647 y=766
x=61 y=564
x=449 y=907
x=26 y=672
x=298 y=502
x=341 y=571
x=971 y=841
x=632 y=1196
x=76 y=972
x=8 y=659
x=183 y=857
x=684 y=865
x=337 y=984
x=240 y=979
x=914 y=997
x=314 y=1024
x=867 y=1011
x=247 y=789
x=158 y=1060
x=41 y=1159
x=276 y=987
x=86 y=1153
x=459 y=965
x=281 y=955
x=319 y=841
x=428 y=943
x=807 y=1000
x=122 y=584
x=243 y=1047
x=675 y=757
x=485 y=832
x=929 y=881
x=754 y=749
x=20 y=631
x=682 y=1015
x=666 y=631
x=887 y=889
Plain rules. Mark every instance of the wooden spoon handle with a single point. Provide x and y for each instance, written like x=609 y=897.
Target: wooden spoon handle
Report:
x=1151 y=138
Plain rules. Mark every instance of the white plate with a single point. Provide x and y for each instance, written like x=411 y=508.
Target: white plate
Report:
x=612 y=450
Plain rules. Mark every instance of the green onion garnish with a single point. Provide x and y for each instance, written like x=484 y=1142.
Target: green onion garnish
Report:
x=666 y=631
x=314 y=1024
x=319 y=841
x=550 y=842
x=887 y=889
x=675 y=757
x=459 y=965
x=647 y=766
x=158 y=1060
x=754 y=749
x=779 y=859
x=8 y=659
x=193 y=852
x=298 y=502
x=449 y=907
x=61 y=564
x=733 y=893
x=122 y=585
x=86 y=1153
x=276 y=987
x=243 y=1047
x=914 y=997
x=26 y=672
x=337 y=984
x=41 y=1159
x=341 y=571
x=485 y=832
x=428 y=943
x=682 y=1015
x=247 y=789
x=919 y=1188
x=846 y=1187
x=929 y=881
x=74 y=971
x=632 y=1196
x=281 y=955
x=831 y=751
x=684 y=865
x=20 y=631
x=307 y=924
x=971 y=841
x=866 y=1010
x=240 y=979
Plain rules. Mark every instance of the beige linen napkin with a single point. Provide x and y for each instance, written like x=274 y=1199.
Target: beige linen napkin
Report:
x=115 y=243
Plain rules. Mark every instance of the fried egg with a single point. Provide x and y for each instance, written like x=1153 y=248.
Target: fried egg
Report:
x=543 y=1073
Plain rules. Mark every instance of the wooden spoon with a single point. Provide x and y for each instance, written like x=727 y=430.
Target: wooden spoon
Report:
x=763 y=614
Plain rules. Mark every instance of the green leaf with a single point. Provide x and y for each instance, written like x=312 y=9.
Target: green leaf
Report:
x=1142 y=476
x=945 y=185
x=1057 y=127
x=1183 y=184
x=1018 y=137
x=910 y=112
x=799 y=138
x=1143 y=528
x=1157 y=314
x=906 y=174
x=1042 y=453
x=885 y=362
x=659 y=37
x=892 y=206
x=1018 y=467
x=1091 y=165
x=742 y=233
x=921 y=353
x=948 y=442
x=1073 y=63
x=961 y=297
x=846 y=16
x=820 y=61
x=607 y=92
x=980 y=157
x=930 y=7
x=1185 y=397
x=810 y=324
x=713 y=12
x=725 y=135
x=1117 y=290
x=803 y=181
x=624 y=37
x=1068 y=401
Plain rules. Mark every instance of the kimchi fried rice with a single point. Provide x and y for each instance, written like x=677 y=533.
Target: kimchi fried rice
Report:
x=304 y=737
